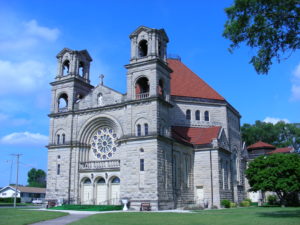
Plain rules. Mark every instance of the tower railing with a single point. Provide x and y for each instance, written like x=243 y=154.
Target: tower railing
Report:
x=142 y=95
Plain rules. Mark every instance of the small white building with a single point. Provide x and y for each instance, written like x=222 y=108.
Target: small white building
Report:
x=27 y=194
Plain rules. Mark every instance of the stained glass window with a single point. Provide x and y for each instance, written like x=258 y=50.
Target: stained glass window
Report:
x=104 y=143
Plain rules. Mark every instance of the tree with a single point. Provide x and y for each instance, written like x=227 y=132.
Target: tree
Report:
x=279 y=173
x=36 y=178
x=271 y=27
x=280 y=134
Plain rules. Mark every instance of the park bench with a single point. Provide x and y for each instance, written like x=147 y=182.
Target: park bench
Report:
x=145 y=206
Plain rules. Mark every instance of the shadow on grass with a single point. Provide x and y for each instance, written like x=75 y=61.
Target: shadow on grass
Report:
x=281 y=214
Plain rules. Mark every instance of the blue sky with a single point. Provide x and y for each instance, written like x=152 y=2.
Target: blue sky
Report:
x=33 y=32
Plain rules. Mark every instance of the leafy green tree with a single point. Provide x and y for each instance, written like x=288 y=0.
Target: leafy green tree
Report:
x=271 y=27
x=36 y=178
x=281 y=134
x=279 y=173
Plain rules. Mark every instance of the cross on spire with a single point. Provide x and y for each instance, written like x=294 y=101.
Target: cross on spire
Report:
x=101 y=79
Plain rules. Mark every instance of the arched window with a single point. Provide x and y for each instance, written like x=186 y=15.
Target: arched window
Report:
x=146 y=128
x=63 y=138
x=81 y=69
x=58 y=139
x=87 y=181
x=116 y=180
x=138 y=130
x=197 y=115
x=143 y=48
x=188 y=114
x=101 y=181
x=66 y=67
x=142 y=88
x=63 y=103
x=58 y=169
x=206 y=116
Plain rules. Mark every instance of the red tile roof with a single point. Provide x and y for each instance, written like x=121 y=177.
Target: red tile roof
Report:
x=185 y=82
x=195 y=135
x=282 y=150
x=261 y=144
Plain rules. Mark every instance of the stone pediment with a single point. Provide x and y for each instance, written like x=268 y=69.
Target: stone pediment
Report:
x=82 y=52
x=100 y=96
x=148 y=30
x=223 y=141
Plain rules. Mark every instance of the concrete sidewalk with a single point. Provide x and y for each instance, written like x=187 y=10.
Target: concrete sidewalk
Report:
x=63 y=220
x=77 y=215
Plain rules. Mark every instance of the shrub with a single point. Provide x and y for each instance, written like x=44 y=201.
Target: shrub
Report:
x=272 y=199
x=232 y=204
x=225 y=203
x=244 y=204
x=193 y=207
x=89 y=207
x=9 y=200
x=248 y=200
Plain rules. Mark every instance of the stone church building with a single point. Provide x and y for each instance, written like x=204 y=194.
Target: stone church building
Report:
x=170 y=141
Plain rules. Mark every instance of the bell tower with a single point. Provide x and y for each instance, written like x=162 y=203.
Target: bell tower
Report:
x=147 y=73
x=72 y=81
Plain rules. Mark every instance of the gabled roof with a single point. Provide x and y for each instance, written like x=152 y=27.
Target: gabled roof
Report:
x=282 y=150
x=148 y=30
x=195 y=135
x=82 y=52
x=186 y=83
x=261 y=145
x=29 y=189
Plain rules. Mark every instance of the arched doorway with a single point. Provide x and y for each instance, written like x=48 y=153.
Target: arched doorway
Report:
x=115 y=191
x=87 y=192
x=101 y=192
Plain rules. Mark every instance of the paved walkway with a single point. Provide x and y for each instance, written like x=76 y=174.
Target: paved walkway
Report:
x=73 y=216
x=63 y=220
x=77 y=215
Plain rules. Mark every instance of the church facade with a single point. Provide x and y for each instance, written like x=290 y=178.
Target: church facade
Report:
x=171 y=140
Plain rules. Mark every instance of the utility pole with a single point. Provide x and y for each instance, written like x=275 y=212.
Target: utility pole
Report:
x=17 y=177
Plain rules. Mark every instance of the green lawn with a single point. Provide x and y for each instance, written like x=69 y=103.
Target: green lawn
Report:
x=22 y=216
x=240 y=216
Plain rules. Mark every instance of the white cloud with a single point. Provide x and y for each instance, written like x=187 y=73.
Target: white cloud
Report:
x=296 y=84
x=18 y=35
x=21 y=77
x=25 y=138
x=32 y=28
x=275 y=120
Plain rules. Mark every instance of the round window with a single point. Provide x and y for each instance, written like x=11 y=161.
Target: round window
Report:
x=103 y=143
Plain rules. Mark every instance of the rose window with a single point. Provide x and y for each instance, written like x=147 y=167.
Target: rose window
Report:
x=103 y=143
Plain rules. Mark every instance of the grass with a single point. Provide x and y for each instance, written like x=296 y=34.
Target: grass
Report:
x=89 y=207
x=21 y=216
x=238 y=216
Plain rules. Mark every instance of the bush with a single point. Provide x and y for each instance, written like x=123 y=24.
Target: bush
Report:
x=272 y=200
x=9 y=200
x=193 y=207
x=232 y=204
x=245 y=203
x=248 y=200
x=225 y=203
x=89 y=207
